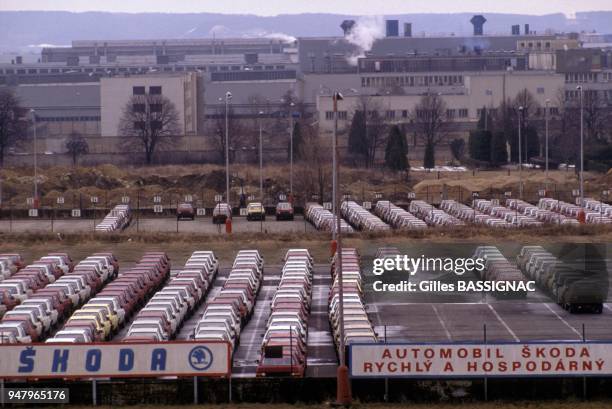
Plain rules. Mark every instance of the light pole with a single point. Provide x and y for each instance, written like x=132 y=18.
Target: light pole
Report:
x=33 y=112
x=291 y=105
x=579 y=88
x=520 y=156
x=228 y=98
x=335 y=210
x=547 y=118
x=343 y=394
x=261 y=157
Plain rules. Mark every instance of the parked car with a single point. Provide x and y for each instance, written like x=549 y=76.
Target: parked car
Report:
x=185 y=211
x=221 y=213
x=255 y=211
x=284 y=211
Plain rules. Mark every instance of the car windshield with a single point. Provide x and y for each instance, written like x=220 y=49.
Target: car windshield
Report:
x=284 y=206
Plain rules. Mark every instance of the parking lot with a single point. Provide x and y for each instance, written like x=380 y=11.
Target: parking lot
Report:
x=162 y=224
x=406 y=317
x=452 y=317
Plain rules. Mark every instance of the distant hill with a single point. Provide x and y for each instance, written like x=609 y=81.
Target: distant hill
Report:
x=19 y=30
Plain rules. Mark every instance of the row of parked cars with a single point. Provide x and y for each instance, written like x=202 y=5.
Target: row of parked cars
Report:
x=357 y=326
x=58 y=299
x=498 y=268
x=117 y=219
x=283 y=348
x=231 y=308
x=473 y=214
x=512 y=216
x=595 y=211
x=26 y=281
x=433 y=216
x=10 y=263
x=163 y=315
x=360 y=218
x=577 y=286
x=397 y=217
x=541 y=214
x=323 y=219
x=103 y=315
x=26 y=316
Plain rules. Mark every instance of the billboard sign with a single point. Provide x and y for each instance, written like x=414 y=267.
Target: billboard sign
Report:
x=479 y=360
x=151 y=359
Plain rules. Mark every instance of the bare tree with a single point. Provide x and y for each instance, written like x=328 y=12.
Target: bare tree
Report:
x=430 y=122
x=149 y=122
x=367 y=134
x=597 y=116
x=12 y=126
x=237 y=136
x=314 y=172
x=76 y=146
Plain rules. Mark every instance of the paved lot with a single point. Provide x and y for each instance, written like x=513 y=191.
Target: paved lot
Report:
x=162 y=224
x=426 y=317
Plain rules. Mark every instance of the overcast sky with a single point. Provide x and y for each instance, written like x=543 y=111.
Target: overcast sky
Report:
x=274 y=7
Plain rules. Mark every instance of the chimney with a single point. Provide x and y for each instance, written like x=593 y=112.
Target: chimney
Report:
x=407 y=29
x=392 y=28
x=347 y=26
x=19 y=59
x=478 y=22
x=516 y=30
x=527 y=32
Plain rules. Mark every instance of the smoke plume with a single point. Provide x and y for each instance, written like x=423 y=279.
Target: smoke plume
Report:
x=363 y=35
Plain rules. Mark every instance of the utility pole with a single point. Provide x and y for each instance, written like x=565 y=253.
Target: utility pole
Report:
x=520 y=158
x=33 y=112
x=579 y=88
x=343 y=394
x=291 y=105
x=261 y=157
x=546 y=113
x=228 y=97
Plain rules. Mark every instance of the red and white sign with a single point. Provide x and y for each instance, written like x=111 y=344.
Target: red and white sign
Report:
x=465 y=360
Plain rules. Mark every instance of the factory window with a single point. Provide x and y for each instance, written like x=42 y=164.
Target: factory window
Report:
x=235 y=68
x=404 y=114
x=155 y=90
x=540 y=90
x=155 y=107
x=269 y=67
x=554 y=111
x=167 y=69
x=451 y=113
x=140 y=108
x=44 y=71
x=32 y=71
x=463 y=113
x=138 y=90
x=10 y=71
x=390 y=114
x=20 y=71
x=329 y=115
x=139 y=125
x=224 y=68
x=342 y=115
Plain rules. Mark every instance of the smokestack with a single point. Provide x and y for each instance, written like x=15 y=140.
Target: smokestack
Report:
x=407 y=29
x=347 y=26
x=527 y=32
x=392 y=28
x=478 y=22
x=516 y=30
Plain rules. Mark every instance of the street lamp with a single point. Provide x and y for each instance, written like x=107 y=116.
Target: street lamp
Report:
x=228 y=98
x=261 y=157
x=579 y=88
x=33 y=113
x=291 y=105
x=520 y=157
x=343 y=395
x=547 y=118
